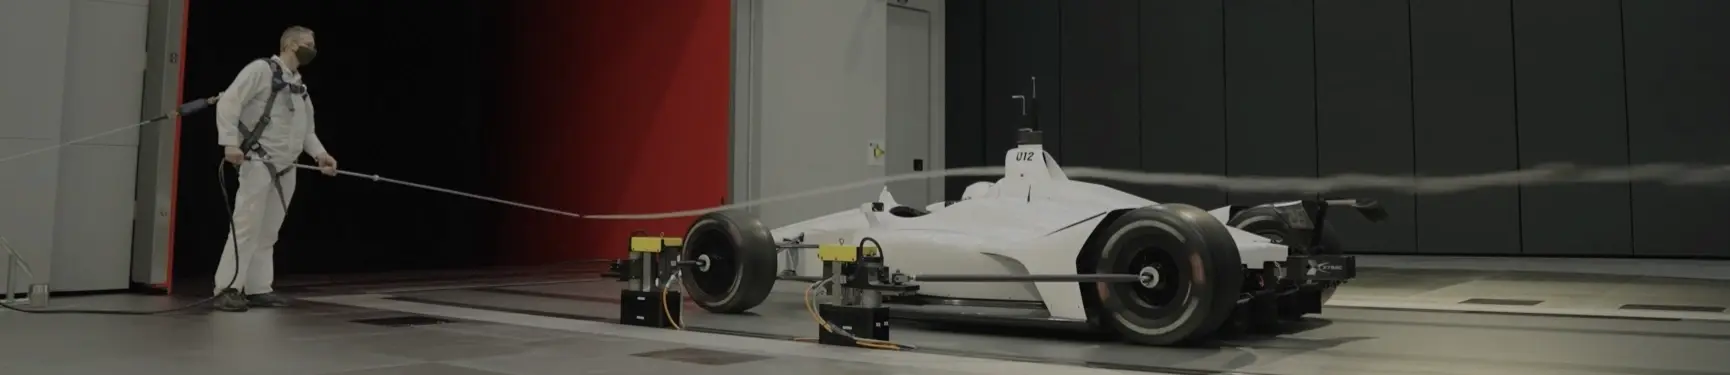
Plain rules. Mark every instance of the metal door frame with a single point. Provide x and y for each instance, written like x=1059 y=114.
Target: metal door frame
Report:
x=158 y=148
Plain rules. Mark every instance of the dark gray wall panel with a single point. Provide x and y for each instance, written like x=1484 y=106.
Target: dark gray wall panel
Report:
x=1463 y=102
x=1678 y=55
x=1428 y=87
x=964 y=76
x=1022 y=42
x=1183 y=95
x=1270 y=92
x=1364 y=112
x=1100 y=60
x=1568 y=66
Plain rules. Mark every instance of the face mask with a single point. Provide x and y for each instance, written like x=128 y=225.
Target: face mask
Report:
x=304 y=54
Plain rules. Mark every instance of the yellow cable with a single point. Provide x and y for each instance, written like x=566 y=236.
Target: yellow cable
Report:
x=665 y=309
x=811 y=306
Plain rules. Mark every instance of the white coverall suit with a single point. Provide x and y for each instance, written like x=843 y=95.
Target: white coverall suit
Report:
x=258 y=209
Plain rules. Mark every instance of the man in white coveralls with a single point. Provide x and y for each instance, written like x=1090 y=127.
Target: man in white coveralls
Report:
x=264 y=121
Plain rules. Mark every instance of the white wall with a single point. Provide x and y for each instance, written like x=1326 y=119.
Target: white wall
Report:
x=809 y=92
x=73 y=68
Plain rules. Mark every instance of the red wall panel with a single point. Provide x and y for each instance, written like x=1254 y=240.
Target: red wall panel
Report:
x=622 y=107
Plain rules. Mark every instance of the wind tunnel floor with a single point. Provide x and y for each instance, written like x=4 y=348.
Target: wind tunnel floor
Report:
x=311 y=338
x=1388 y=321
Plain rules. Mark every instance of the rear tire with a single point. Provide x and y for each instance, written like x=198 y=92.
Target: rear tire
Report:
x=1198 y=268
x=740 y=256
x=1267 y=221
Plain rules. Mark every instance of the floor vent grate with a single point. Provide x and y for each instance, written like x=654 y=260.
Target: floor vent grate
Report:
x=1674 y=308
x=701 y=356
x=404 y=321
x=1502 y=302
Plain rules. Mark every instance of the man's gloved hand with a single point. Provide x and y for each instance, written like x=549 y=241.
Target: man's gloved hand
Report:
x=233 y=155
x=327 y=164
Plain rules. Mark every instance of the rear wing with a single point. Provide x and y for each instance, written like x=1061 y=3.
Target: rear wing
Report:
x=1370 y=208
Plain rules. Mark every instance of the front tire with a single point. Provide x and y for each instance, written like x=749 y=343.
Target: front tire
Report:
x=1198 y=275
x=739 y=262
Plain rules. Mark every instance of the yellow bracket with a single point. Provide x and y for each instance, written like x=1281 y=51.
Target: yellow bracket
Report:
x=844 y=253
x=654 y=244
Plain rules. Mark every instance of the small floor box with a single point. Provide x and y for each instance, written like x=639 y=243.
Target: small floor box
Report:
x=863 y=322
x=644 y=308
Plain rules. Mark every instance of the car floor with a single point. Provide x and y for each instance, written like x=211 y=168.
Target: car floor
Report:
x=1414 y=319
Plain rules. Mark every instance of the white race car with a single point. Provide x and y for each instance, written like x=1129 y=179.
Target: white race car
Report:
x=1195 y=270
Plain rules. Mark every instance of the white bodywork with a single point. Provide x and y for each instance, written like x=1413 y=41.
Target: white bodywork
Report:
x=1032 y=221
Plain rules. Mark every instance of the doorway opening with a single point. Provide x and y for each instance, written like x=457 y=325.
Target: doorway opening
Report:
x=910 y=112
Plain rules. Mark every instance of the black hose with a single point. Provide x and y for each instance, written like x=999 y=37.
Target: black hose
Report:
x=880 y=252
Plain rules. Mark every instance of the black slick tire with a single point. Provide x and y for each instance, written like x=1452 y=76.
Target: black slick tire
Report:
x=1268 y=221
x=1199 y=273
x=740 y=257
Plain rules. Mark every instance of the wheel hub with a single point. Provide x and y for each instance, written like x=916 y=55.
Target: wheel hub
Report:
x=716 y=271
x=1149 y=277
x=1275 y=238
x=1153 y=290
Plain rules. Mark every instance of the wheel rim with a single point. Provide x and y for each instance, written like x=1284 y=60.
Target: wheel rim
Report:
x=1279 y=239
x=717 y=276
x=1274 y=236
x=1167 y=294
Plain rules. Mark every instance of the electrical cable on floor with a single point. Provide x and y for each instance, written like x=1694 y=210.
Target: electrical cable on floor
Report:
x=811 y=306
x=221 y=184
x=678 y=324
x=221 y=180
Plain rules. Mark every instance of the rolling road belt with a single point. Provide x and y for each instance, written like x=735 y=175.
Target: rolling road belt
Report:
x=1675 y=174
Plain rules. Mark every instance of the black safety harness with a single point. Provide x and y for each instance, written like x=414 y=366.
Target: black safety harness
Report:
x=250 y=144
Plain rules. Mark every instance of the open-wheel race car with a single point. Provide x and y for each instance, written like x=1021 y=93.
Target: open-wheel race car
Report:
x=1018 y=250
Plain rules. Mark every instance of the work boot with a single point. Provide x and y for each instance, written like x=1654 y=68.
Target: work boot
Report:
x=230 y=300
x=266 y=300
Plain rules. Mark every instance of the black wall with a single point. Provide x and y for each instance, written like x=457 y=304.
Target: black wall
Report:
x=404 y=92
x=1322 y=87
